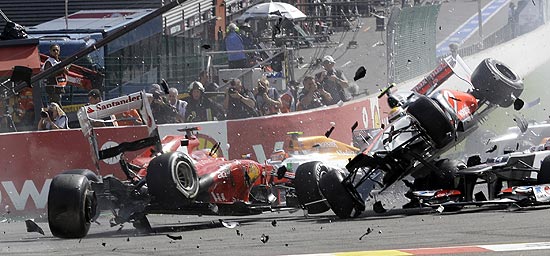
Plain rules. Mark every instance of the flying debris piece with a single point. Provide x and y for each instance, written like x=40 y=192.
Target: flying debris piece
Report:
x=369 y=230
x=533 y=103
x=274 y=223
x=229 y=224
x=120 y=229
x=264 y=238
x=521 y=123
x=360 y=73
x=408 y=183
x=238 y=233
x=213 y=208
x=491 y=150
x=354 y=126
x=440 y=209
x=174 y=237
x=206 y=46
x=33 y=227
x=518 y=104
x=378 y=207
x=104 y=244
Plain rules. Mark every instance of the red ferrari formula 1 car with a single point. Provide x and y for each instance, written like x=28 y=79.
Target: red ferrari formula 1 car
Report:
x=171 y=176
x=423 y=124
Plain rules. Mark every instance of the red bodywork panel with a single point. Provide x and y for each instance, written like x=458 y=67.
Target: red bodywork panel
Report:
x=232 y=179
x=464 y=104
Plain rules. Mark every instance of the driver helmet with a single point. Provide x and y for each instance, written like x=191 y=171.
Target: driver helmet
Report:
x=395 y=113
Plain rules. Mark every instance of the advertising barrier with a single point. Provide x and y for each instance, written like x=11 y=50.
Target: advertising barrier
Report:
x=29 y=160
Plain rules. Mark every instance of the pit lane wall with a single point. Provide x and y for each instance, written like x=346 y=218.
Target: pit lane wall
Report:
x=29 y=160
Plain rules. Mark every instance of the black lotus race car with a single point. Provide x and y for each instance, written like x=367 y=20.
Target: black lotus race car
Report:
x=423 y=125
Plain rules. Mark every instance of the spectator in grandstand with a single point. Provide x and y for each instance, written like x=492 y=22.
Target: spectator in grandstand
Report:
x=333 y=81
x=267 y=98
x=288 y=99
x=199 y=107
x=179 y=105
x=204 y=79
x=239 y=102
x=55 y=84
x=313 y=95
x=53 y=118
x=234 y=42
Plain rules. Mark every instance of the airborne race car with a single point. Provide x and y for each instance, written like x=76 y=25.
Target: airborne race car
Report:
x=425 y=123
x=170 y=176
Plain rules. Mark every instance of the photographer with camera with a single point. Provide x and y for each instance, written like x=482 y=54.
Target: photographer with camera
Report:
x=313 y=95
x=267 y=98
x=333 y=81
x=239 y=102
x=53 y=118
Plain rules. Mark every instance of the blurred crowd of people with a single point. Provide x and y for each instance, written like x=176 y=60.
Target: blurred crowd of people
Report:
x=238 y=100
x=205 y=100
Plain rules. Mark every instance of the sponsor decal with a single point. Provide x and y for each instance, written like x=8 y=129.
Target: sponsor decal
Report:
x=112 y=160
x=207 y=142
x=126 y=100
x=20 y=197
x=218 y=197
x=253 y=172
x=542 y=193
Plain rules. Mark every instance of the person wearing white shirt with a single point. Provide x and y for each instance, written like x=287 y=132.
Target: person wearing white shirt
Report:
x=179 y=105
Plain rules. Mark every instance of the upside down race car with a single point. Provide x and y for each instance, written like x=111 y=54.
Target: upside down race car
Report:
x=170 y=176
x=424 y=124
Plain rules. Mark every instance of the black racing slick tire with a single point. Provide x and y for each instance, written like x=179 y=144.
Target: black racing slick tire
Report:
x=71 y=206
x=342 y=203
x=432 y=118
x=306 y=185
x=543 y=177
x=172 y=177
x=495 y=82
x=88 y=173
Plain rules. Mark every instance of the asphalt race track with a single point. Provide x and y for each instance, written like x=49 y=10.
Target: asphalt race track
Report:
x=293 y=233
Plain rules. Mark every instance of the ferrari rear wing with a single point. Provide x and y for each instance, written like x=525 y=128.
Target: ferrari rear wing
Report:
x=89 y=114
